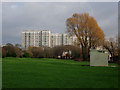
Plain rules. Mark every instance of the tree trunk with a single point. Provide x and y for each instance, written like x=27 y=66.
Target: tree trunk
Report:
x=84 y=53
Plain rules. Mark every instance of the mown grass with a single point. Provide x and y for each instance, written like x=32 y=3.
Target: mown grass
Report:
x=56 y=73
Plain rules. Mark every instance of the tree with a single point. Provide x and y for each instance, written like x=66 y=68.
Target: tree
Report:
x=58 y=51
x=27 y=54
x=112 y=46
x=37 y=52
x=18 y=45
x=87 y=31
x=3 y=53
x=48 y=52
x=10 y=50
x=18 y=51
x=118 y=49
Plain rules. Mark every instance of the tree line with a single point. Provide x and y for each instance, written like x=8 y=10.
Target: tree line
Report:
x=10 y=50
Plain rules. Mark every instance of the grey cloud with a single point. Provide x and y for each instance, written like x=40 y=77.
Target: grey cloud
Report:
x=52 y=16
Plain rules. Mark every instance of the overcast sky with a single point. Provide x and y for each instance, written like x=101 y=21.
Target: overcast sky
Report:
x=52 y=16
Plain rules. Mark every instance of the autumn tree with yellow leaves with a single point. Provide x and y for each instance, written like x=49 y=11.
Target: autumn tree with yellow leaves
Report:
x=87 y=31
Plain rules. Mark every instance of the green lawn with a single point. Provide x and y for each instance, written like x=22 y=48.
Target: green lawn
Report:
x=56 y=73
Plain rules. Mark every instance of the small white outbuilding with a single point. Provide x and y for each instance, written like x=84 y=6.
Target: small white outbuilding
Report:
x=98 y=57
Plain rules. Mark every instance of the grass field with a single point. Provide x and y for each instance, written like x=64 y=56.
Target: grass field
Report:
x=56 y=73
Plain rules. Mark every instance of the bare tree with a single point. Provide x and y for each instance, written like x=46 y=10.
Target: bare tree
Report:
x=112 y=46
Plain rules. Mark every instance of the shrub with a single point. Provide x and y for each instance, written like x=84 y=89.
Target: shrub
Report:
x=27 y=54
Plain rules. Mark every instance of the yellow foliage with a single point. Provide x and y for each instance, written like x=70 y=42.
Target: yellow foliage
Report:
x=86 y=29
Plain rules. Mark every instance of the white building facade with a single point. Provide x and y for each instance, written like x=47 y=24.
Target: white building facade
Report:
x=31 y=38
x=37 y=38
x=56 y=40
x=45 y=38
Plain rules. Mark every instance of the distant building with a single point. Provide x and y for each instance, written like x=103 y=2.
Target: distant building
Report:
x=37 y=38
x=31 y=38
x=68 y=40
x=56 y=39
x=45 y=38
